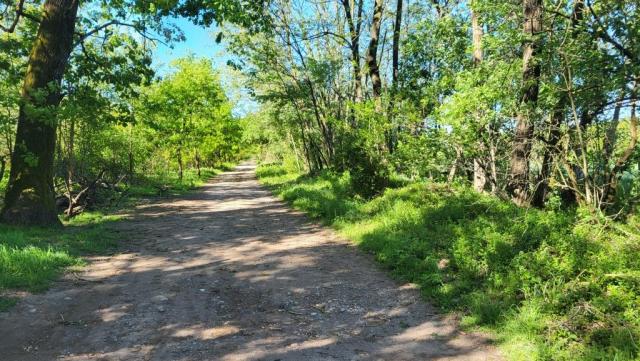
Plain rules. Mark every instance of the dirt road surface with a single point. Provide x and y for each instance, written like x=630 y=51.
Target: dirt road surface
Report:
x=230 y=273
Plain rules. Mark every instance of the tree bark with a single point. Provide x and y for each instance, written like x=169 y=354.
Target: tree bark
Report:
x=479 y=163
x=454 y=166
x=198 y=162
x=355 y=24
x=70 y=164
x=180 y=165
x=396 y=44
x=30 y=198
x=519 y=175
x=395 y=63
x=477 y=34
x=3 y=165
x=131 y=158
x=372 y=51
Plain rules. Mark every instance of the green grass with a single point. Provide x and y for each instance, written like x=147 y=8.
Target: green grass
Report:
x=550 y=285
x=31 y=257
x=170 y=184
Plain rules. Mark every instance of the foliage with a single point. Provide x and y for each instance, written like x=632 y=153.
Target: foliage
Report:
x=551 y=284
x=188 y=113
x=448 y=116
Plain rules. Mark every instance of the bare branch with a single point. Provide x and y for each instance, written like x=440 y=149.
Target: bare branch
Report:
x=85 y=36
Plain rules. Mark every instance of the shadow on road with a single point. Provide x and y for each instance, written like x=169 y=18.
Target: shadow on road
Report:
x=230 y=273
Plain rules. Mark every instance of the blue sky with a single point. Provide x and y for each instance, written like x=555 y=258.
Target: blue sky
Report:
x=200 y=42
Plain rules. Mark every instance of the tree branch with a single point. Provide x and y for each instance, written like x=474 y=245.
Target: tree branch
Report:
x=604 y=35
x=84 y=36
x=13 y=25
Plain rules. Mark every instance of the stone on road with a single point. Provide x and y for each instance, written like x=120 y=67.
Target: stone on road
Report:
x=230 y=273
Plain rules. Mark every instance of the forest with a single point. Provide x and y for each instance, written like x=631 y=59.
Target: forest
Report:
x=486 y=151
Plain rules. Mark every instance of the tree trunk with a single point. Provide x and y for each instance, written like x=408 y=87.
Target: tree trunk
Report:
x=479 y=163
x=519 y=176
x=131 y=158
x=395 y=63
x=3 y=165
x=372 y=62
x=30 y=198
x=611 y=136
x=542 y=183
x=623 y=161
x=556 y=120
x=396 y=44
x=477 y=35
x=180 y=165
x=70 y=164
x=198 y=162
x=355 y=25
x=454 y=167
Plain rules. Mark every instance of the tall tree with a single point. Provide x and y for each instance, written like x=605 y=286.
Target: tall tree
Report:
x=396 y=44
x=556 y=118
x=372 y=51
x=521 y=149
x=353 y=14
x=29 y=197
x=395 y=64
x=479 y=165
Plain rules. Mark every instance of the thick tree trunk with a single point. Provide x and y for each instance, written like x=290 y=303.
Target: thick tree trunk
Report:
x=519 y=175
x=30 y=198
x=372 y=51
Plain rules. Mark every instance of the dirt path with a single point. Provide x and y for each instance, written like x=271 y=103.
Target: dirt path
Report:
x=231 y=273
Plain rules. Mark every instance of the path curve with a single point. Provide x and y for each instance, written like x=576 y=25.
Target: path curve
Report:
x=230 y=273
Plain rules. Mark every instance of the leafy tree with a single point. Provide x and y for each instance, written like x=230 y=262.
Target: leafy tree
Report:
x=190 y=113
x=29 y=197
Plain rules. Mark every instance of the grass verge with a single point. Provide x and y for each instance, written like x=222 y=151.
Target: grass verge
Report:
x=550 y=285
x=31 y=257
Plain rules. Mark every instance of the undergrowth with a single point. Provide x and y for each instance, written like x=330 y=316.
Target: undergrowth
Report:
x=550 y=285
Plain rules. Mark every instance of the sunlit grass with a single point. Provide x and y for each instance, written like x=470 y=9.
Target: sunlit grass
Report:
x=549 y=285
x=32 y=257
